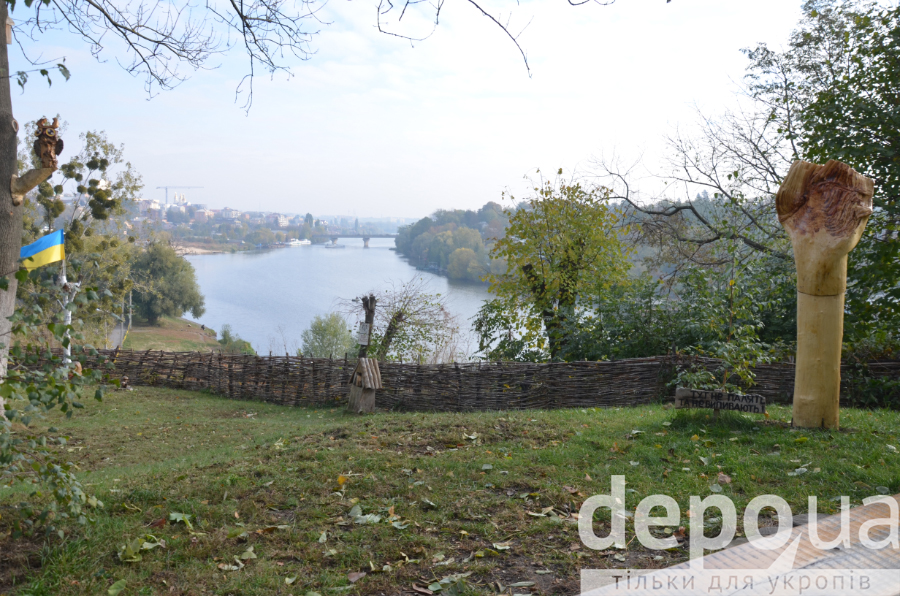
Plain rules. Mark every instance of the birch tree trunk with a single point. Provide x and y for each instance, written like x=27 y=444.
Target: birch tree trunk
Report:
x=824 y=210
x=10 y=214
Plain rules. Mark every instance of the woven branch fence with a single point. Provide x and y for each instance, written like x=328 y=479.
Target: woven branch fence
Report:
x=297 y=381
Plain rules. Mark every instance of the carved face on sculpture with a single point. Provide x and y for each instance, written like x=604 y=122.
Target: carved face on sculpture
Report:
x=48 y=145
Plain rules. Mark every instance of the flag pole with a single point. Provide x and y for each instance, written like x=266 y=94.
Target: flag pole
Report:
x=63 y=282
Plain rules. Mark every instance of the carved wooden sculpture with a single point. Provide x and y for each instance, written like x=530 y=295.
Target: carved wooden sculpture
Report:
x=824 y=210
x=47 y=146
x=366 y=378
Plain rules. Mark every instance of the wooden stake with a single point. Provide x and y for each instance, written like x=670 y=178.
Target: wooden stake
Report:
x=824 y=210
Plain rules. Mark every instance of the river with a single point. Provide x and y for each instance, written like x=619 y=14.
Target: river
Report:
x=270 y=296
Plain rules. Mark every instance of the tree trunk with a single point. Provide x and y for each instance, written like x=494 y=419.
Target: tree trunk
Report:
x=10 y=214
x=824 y=210
x=362 y=395
x=389 y=334
x=368 y=303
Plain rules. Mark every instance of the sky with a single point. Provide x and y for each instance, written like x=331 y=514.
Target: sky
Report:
x=375 y=126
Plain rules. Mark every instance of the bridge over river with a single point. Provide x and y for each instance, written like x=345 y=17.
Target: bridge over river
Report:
x=365 y=237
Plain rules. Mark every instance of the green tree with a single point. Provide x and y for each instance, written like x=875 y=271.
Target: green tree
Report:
x=232 y=343
x=168 y=284
x=411 y=324
x=260 y=236
x=99 y=245
x=327 y=337
x=561 y=245
x=465 y=263
x=36 y=382
x=836 y=91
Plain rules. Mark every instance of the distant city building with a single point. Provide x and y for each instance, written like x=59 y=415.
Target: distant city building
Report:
x=279 y=221
x=145 y=205
x=201 y=216
x=227 y=213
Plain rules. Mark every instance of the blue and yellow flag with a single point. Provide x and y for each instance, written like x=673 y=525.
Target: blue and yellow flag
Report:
x=43 y=251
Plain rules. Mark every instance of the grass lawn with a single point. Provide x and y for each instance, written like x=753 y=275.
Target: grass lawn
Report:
x=313 y=498
x=172 y=334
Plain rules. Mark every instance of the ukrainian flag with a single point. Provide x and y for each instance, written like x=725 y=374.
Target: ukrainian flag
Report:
x=46 y=250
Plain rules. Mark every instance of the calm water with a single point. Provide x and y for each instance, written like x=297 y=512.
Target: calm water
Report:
x=269 y=297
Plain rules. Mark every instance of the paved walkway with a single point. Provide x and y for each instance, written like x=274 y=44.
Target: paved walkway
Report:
x=117 y=336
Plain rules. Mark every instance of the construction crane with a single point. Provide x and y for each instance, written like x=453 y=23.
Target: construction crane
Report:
x=168 y=187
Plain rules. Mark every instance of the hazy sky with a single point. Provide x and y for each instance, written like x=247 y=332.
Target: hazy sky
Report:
x=373 y=126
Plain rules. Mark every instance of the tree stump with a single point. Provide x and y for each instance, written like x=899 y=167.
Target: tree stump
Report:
x=824 y=210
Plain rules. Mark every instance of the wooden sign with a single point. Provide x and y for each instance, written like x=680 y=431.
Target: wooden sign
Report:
x=362 y=336
x=719 y=400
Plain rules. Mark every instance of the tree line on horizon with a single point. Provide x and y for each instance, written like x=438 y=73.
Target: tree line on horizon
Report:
x=455 y=242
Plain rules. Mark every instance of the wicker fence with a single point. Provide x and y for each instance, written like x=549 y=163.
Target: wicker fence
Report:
x=294 y=381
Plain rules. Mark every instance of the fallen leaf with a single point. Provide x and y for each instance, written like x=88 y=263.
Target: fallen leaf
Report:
x=228 y=567
x=290 y=580
x=323 y=537
x=355 y=576
x=184 y=518
x=116 y=588
x=502 y=545
x=421 y=590
x=724 y=478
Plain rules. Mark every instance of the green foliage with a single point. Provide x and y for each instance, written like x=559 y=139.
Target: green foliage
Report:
x=432 y=241
x=168 y=285
x=37 y=381
x=60 y=67
x=559 y=247
x=233 y=344
x=328 y=336
x=99 y=246
x=260 y=236
x=464 y=263
x=835 y=91
x=412 y=324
